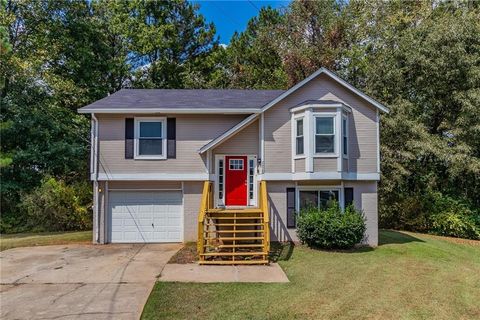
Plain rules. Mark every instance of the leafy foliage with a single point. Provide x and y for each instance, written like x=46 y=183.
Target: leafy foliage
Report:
x=331 y=228
x=54 y=206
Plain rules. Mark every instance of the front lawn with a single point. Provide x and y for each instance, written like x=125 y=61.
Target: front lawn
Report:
x=10 y=241
x=409 y=276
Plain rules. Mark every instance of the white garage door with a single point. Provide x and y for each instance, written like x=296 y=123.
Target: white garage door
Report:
x=154 y=216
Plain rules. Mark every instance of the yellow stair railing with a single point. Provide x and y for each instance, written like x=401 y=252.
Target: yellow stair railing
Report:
x=266 y=215
x=205 y=205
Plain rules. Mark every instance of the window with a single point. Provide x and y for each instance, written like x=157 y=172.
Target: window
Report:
x=345 y=136
x=236 y=164
x=150 y=138
x=299 y=137
x=324 y=135
x=220 y=179
x=250 y=178
x=317 y=198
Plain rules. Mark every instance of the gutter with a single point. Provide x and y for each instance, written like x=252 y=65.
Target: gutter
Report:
x=94 y=174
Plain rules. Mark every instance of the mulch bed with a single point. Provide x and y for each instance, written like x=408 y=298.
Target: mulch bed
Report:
x=188 y=254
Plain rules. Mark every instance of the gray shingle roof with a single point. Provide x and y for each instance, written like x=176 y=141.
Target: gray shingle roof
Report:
x=184 y=99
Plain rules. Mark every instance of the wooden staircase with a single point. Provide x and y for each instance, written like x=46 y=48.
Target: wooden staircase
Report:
x=233 y=236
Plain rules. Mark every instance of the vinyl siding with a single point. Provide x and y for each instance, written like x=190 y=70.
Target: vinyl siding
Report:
x=192 y=195
x=362 y=126
x=244 y=142
x=299 y=165
x=193 y=132
x=365 y=198
x=325 y=164
x=278 y=211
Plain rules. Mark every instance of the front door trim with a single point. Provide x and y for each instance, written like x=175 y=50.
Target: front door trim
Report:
x=251 y=160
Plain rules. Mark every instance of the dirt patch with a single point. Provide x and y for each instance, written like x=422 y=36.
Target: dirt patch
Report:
x=188 y=254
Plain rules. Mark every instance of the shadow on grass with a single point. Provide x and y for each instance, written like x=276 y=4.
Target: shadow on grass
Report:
x=395 y=237
x=281 y=251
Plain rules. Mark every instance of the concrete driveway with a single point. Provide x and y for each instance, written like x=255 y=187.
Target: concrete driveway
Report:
x=80 y=281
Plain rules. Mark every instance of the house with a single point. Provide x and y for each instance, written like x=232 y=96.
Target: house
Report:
x=169 y=165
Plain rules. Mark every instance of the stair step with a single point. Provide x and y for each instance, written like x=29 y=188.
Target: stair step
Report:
x=235 y=224
x=235 y=231
x=238 y=211
x=236 y=218
x=226 y=246
x=231 y=262
x=235 y=238
x=225 y=254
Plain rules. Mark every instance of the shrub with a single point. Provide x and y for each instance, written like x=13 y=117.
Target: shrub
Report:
x=55 y=206
x=331 y=228
x=455 y=225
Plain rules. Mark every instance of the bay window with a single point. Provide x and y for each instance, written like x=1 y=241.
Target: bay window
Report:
x=299 y=150
x=345 y=136
x=324 y=134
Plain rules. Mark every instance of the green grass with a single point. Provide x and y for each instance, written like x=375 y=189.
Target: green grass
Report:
x=409 y=276
x=16 y=240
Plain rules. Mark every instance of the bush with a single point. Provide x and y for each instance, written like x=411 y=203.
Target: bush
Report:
x=331 y=228
x=455 y=225
x=55 y=206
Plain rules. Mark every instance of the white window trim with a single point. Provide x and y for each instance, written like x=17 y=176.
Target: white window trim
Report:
x=137 y=122
x=239 y=161
x=338 y=188
x=333 y=154
x=345 y=155
x=295 y=155
x=221 y=202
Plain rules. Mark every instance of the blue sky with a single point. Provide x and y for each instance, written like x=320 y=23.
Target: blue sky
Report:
x=231 y=16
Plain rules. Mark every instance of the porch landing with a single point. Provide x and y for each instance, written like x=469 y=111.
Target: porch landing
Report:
x=210 y=274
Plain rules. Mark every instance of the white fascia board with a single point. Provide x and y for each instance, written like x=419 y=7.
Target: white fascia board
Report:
x=153 y=176
x=227 y=134
x=331 y=75
x=353 y=176
x=172 y=111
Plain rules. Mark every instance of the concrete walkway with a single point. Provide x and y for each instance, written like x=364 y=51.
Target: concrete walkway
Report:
x=208 y=274
x=80 y=281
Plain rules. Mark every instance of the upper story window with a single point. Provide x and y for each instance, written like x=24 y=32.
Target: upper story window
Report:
x=150 y=136
x=345 y=136
x=299 y=149
x=324 y=134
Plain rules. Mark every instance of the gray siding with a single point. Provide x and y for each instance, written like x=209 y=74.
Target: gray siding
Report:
x=325 y=164
x=299 y=165
x=193 y=132
x=277 y=198
x=192 y=195
x=362 y=126
x=244 y=142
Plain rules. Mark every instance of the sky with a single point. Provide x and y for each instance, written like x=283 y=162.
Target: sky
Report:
x=231 y=16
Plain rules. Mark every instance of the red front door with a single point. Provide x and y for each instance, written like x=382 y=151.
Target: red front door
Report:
x=235 y=181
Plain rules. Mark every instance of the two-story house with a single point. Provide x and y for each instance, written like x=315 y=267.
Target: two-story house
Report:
x=231 y=169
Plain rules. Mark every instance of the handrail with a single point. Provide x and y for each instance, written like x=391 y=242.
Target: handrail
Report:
x=204 y=206
x=266 y=214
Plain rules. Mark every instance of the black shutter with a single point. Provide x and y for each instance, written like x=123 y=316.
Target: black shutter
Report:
x=171 y=138
x=291 y=208
x=129 y=138
x=348 y=196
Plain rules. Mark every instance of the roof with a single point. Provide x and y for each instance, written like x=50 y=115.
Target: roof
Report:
x=183 y=100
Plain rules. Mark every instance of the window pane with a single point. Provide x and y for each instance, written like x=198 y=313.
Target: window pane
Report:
x=326 y=197
x=299 y=145
x=324 y=144
x=324 y=125
x=150 y=146
x=150 y=129
x=345 y=145
x=308 y=199
x=300 y=127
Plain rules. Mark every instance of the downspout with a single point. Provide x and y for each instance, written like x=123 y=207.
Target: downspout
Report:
x=94 y=165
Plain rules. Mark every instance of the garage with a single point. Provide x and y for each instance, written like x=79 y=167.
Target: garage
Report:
x=145 y=216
